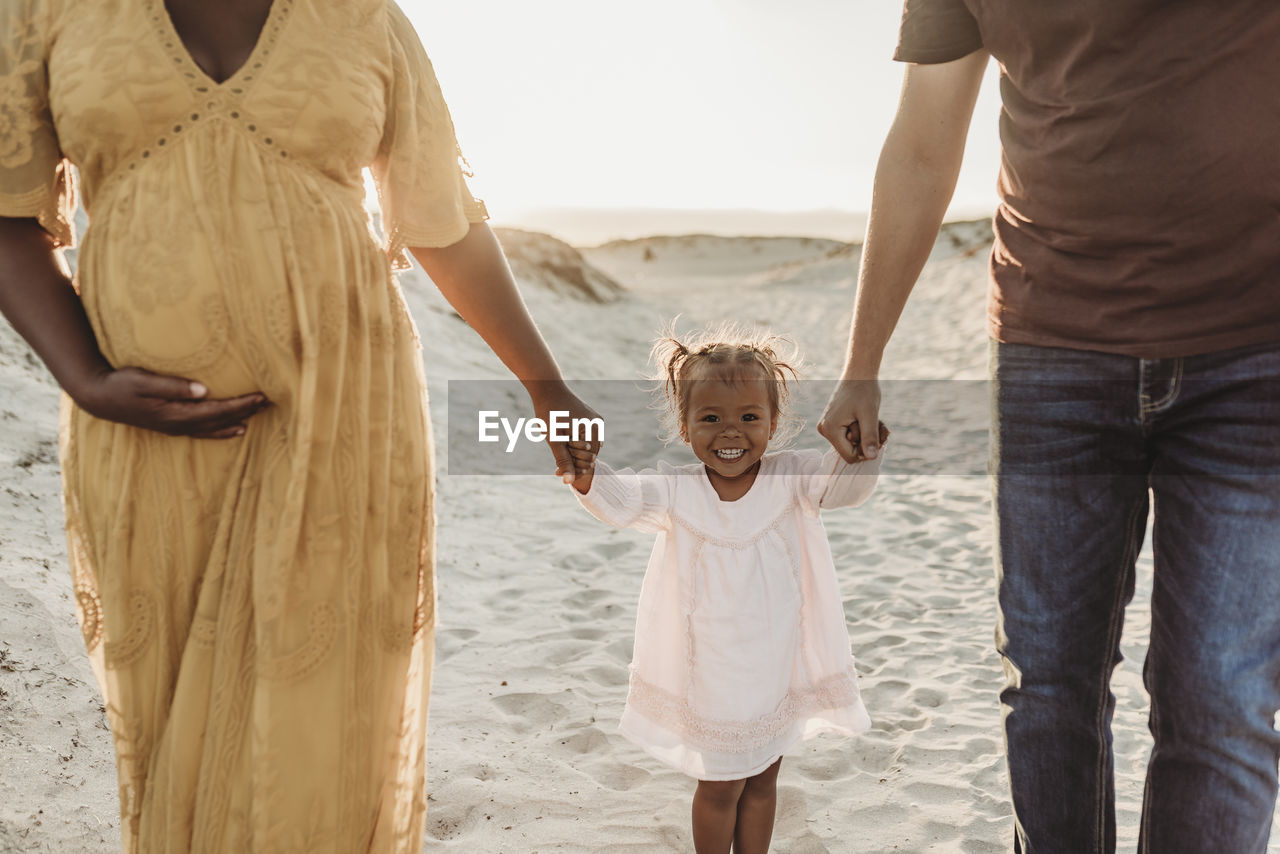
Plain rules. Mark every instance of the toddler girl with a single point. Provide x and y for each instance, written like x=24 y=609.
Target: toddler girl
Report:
x=741 y=649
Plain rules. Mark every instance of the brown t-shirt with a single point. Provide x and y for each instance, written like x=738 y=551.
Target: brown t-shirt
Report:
x=1140 y=183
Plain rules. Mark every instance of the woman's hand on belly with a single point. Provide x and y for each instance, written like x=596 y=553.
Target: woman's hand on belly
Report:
x=166 y=404
x=38 y=298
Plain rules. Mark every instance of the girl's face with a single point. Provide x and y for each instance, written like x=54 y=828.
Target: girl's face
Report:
x=728 y=424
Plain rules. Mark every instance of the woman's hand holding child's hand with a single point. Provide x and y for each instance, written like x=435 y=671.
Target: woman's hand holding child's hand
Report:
x=583 y=456
x=550 y=396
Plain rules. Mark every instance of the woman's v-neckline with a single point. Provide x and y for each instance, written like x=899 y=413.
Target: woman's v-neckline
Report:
x=182 y=54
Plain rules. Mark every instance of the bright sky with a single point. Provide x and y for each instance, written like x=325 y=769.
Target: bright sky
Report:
x=691 y=104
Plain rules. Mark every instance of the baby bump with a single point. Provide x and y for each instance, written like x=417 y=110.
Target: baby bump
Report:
x=744 y=630
x=242 y=299
x=155 y=303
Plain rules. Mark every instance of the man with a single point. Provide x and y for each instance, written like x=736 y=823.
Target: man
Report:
x=1135 y=312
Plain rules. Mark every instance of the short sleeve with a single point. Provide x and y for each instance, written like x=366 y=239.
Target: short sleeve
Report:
x=825 y=481
x=35 y=179
x=422 y=189
x=629 y=499
x=936 y=31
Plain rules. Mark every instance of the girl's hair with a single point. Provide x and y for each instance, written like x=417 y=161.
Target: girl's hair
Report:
x=730 y=352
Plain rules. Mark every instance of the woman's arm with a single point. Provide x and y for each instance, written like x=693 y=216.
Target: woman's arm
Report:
x=37 y=297
x=915 y=178
x=474 y=277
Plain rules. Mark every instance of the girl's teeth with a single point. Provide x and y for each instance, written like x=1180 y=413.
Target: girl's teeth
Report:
x=730 y=455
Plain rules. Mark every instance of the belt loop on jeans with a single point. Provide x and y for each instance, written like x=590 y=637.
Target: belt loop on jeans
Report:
x=1154 y=372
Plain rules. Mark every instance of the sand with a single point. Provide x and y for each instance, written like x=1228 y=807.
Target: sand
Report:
x=537 y=598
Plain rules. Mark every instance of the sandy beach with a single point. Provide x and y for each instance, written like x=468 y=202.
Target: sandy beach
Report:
x=537 y=599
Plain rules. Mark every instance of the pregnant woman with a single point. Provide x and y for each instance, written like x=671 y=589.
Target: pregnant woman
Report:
x=245 y=442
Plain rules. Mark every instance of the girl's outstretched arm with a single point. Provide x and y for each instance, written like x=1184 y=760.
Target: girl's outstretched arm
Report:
x=826 y=481
x=629 y=499
x=474 y=277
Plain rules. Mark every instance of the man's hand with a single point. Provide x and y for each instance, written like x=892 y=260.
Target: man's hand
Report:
x=851 y=421
x=166 y=404
x=854 y=436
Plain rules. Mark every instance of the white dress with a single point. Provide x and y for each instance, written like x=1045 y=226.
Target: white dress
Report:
x=741 y=647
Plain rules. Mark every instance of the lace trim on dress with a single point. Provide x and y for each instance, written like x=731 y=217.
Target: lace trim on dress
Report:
x=734 y=543
x=400 y=239
x=51 y=206
x=204 y=632
x=197 y=79
x=732 y=736
x=90 y=615
x=142 y=618
x=690 y=657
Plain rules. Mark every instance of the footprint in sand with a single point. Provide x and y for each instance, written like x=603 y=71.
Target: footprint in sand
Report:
x=809 y=843
x=589 y=751
x=884 y=642
x=449 y=642
x=902 y=724
x=793 y=815
x=595 y=607
x=584 y=599
x=620 y=650
x=875 y=751
x=560 y=653
x=578 y=562
x=832 y=763
x=942 y=602
x=926 y=792
x=532 y=711
x=589 y=740
x=903 y=705
x=451 y=818
x=651 y=839
x=609 y=677
x=928 y=698
x=855 y=556
x=613 y=549
x=888 y=692
x=981 y=745
x=612 y=774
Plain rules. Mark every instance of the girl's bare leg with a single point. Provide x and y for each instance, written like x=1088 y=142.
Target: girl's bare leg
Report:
x=757 y=807
x=715 y=812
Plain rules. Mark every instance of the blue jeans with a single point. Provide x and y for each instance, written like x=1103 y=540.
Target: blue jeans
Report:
x=1083 y=442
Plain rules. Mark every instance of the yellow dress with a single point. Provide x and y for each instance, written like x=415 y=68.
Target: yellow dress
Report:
x=258 y=611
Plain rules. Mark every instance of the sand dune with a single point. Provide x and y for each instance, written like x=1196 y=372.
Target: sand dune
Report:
x=539 y=260
x=537 y=599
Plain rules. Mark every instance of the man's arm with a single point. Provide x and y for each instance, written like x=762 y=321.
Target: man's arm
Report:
x=915 y=178
x=474 y=277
